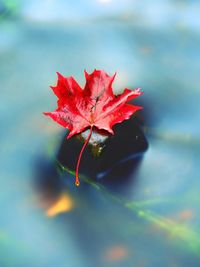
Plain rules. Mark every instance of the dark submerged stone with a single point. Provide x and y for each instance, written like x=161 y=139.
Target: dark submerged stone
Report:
x=105 y=153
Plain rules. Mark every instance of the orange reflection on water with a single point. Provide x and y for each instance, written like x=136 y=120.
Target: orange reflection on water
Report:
x=62 y=205
x=186 y=214
x=116 y=253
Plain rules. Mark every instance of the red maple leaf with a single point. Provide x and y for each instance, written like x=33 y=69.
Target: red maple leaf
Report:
x=93 y=106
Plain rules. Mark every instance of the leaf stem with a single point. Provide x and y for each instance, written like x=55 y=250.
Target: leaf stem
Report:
x=77 y=182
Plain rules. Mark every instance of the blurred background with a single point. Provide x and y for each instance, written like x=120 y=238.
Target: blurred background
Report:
x=154 y=220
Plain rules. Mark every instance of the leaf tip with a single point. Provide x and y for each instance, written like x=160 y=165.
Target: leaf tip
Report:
x=140 y=107
x=138 y=91
x=59 y=75
x=86 y=74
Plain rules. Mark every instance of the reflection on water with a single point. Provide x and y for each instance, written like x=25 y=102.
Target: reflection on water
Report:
x=154 y=219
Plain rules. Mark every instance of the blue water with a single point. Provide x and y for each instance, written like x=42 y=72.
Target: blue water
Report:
x=153 y=46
